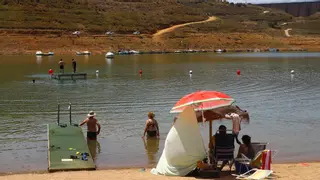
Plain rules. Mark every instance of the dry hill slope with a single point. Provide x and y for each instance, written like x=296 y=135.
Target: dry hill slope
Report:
x=30 y=25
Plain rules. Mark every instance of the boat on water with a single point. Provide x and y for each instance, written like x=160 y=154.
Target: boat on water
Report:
x=128 y=52
x=133 y=52
x=83 y=53
x=219 y=50
x=273 y=50
x=256 y=50
x=109 y=55
x=40 y=53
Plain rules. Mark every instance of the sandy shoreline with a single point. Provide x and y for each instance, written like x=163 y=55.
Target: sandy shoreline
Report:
x=293 y=171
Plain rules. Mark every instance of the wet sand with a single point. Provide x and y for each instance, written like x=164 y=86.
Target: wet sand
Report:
x=296 y=171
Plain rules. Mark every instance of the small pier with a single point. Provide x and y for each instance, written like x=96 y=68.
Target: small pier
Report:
x=66 y=143
x=71 y=76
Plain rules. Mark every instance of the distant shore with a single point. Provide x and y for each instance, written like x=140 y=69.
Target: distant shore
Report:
x=296 y=171
x=28 y=44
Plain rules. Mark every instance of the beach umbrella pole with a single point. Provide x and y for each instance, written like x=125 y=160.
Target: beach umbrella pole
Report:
x=210 y=133
x=58 y=117
x=70 y=113
x=210 y=130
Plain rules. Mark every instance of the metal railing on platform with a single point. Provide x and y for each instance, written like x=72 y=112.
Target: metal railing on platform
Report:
x=70 y=115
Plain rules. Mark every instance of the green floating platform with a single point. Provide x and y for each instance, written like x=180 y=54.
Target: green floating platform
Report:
x=64 y=142
x=69 y=76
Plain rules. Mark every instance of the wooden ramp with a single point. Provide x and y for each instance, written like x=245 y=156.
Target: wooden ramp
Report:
x=64 y=141
x=69 y=76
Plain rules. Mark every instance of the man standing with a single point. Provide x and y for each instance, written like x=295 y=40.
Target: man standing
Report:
x=74 y=65
x=61 y=65
x=92 y=124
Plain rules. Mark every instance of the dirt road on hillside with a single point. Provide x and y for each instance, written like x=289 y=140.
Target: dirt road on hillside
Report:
x=157 y=35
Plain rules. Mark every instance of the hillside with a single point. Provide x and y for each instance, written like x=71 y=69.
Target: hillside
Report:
x=122 y=16
x=125 y=16
x=27 y=26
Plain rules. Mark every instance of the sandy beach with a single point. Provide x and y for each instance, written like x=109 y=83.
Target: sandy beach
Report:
x=297 y=171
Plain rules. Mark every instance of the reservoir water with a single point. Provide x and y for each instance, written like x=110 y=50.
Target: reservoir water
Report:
x=283 y=107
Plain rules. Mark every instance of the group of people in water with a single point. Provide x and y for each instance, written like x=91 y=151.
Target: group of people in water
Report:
x=62 y=63
x=151 y=131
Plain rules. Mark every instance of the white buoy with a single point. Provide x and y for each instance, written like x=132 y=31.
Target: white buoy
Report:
x=97 y=71
x=292 y=71
x=190 y=72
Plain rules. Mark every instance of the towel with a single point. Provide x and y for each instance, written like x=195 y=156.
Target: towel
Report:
x=236 y=120
x=266 y=160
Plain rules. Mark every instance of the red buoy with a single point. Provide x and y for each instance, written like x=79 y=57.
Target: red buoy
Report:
x=238 y=72
x=50 y=71
x=140 y=72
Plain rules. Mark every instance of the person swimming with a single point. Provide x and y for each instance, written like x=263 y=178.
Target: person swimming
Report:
x=151 y=128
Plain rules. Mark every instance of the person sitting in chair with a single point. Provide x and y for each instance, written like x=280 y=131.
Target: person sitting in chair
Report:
x=247 y=150
x=222 y=139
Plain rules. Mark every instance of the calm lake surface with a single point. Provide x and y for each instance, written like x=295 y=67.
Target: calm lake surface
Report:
x=284 y=108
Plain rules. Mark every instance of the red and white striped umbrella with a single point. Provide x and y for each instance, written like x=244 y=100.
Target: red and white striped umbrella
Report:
x=203 y=100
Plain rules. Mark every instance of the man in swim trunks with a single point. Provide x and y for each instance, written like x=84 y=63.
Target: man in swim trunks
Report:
x=61 y=65
x=92 y=124
x=74 y=65
x=152 y=128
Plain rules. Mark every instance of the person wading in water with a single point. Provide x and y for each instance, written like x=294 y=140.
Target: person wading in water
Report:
x=61 y=65
x=152 y=128
x=92 y=124
x=74 y=65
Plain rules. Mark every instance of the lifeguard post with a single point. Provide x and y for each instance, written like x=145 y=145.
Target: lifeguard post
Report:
x=64 y=141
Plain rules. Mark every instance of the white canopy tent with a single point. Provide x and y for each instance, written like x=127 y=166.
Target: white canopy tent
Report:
x=183 y=147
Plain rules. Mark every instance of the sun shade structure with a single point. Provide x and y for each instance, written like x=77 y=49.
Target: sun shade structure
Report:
x=203 y=100
x=220 y=113
x=183 y=147
x=209 y=106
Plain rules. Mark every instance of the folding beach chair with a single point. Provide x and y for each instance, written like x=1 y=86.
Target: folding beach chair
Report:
x=255 y=174
x=246 y=162
x=224 y=149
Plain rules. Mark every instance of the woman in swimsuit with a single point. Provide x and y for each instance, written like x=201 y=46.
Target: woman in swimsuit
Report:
x=246 y=149
x=152 y=128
